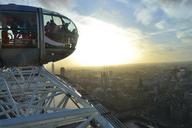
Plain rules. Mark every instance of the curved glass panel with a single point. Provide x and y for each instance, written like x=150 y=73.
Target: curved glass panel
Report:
x=18 y=29
x=70 y=25
x=59 y=32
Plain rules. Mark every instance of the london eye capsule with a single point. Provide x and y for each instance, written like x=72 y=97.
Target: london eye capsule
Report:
x=34 y=36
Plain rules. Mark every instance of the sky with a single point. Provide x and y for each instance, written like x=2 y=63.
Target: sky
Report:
x=115 y=32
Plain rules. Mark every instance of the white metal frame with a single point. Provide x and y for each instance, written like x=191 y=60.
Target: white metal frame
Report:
x=33 y=97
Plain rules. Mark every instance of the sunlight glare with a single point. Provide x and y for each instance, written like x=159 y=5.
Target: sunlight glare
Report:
x=101 y=44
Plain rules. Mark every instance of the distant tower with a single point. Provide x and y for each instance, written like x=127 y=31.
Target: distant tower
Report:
x=53 y=68
x=105 y=78
x=62 y=72
x=140 y=83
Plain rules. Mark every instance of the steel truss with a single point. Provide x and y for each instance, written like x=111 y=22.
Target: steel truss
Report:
x=33 y=97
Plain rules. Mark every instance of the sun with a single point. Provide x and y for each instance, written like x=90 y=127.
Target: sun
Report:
x=102 y=44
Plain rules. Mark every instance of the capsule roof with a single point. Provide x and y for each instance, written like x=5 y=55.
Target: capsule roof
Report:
x=12 y=7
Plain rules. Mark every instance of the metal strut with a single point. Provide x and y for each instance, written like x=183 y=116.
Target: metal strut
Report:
x=33 y=97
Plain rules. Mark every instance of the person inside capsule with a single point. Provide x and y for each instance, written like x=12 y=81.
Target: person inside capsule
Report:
x=59 y=32
x=18 y=30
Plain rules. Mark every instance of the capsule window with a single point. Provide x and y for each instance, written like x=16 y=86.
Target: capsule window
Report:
x=57 y=20
x=59 y=32
x=70 y=26
x=18 y=29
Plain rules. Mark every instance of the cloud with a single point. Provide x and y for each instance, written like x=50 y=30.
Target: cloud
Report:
x=151 y=5
x=177 y=2
x=161 y=24
x=123 y=1
x=177 y=8
x=184 y=33
x=55 y=4
x=144 y=16
x=185 y=36
x=21 y=2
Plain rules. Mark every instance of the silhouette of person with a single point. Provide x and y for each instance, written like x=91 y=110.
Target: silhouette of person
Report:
x=65 y=27
x=52 y=26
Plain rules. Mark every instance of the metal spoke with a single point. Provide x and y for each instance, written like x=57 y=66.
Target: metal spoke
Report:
x=31 y=96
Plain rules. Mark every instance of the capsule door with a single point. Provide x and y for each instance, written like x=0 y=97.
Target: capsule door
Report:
x=18 y=38
x=60 y=37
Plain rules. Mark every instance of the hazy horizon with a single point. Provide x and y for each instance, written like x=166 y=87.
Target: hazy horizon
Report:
x=107 y=67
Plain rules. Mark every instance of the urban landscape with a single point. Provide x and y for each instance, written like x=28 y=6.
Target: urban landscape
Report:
x=157 y=93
